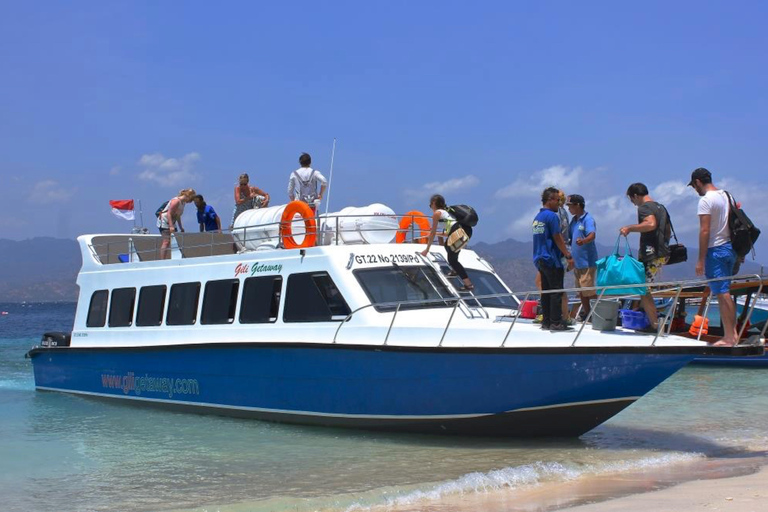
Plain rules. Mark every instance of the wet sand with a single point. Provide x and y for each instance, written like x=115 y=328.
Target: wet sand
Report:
x=736 y=485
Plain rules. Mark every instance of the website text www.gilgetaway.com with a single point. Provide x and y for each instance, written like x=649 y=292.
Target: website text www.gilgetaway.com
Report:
x=146 y=384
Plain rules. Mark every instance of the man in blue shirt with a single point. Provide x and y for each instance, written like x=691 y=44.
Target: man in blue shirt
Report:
x=584 y=250
x=548 y=249
x=206 y=216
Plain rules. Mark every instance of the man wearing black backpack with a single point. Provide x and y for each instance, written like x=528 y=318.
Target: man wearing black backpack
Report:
x=716 y=255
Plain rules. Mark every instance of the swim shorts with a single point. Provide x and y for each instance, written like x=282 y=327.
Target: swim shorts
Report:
x=719 y=263
x=653 y=267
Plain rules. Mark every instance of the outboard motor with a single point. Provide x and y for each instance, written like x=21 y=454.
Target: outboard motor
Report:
x=56 y=339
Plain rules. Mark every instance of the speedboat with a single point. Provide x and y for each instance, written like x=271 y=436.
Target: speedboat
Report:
x=339 y=320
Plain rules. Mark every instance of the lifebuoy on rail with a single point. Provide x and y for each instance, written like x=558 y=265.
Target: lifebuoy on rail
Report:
x=310 y=226
x=413 y=217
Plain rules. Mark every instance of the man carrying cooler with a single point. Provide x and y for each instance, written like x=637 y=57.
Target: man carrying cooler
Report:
x=716 y=254
x=584 y=251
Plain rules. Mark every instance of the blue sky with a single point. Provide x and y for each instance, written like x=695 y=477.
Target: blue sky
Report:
x=485 y=102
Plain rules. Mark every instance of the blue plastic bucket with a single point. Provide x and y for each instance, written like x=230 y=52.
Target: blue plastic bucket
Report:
x=636 y=320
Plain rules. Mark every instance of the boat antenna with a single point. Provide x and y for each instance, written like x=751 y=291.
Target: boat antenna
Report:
x=141 y=215
x=330 y=179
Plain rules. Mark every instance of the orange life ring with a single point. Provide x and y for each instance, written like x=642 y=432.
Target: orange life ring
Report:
x=310 y=225
x=413 y=217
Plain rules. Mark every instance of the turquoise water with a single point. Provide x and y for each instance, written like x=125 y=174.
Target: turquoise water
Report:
x=66 y=453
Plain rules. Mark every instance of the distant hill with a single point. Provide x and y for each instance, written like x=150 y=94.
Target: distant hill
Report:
x=45 y=269
x=39 y=269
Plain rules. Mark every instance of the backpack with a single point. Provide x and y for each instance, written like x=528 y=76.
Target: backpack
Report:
x=743 y=232
x=307 y=189
x=663 y=232
x=464 y=215
x=161 y=209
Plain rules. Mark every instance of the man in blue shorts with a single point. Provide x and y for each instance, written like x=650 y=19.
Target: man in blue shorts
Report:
x=716 y=255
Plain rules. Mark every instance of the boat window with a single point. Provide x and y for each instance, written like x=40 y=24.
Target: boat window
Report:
x=220 y=301
x=404 y=283
x=488 y=284
x=97 y=311
x=261 y=299
x=121 y=307
x=313 y=297
x=151 y=306
x=182 y=306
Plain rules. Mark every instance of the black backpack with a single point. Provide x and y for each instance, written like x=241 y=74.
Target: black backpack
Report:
x=743 y=232
x=464 y=215
x=162 y=207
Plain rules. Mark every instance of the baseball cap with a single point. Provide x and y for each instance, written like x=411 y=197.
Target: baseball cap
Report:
x=699 y=174
x=575 y=199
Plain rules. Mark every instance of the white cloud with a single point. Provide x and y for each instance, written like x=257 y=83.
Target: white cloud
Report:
x=114 y=171
x=443 y=187
x=557 y=176
x=168 y=172
x=47 y=191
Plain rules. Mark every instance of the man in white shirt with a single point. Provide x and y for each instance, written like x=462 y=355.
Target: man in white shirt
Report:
x=302 y=184
x=716 y=254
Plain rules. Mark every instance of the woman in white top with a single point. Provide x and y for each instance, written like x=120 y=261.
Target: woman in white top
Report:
x=449 y=224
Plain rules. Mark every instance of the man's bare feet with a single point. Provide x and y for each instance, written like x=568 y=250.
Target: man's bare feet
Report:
x=723 y=343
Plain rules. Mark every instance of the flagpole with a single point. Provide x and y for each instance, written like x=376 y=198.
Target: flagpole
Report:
x=330 y=179
x=141 y=214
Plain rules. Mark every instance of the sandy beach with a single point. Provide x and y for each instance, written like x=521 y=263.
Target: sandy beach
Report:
x=738 y=494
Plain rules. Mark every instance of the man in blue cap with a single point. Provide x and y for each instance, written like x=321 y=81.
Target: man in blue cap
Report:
x=583 y=249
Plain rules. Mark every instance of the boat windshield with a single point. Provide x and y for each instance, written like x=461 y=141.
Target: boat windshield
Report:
x=404 y=283
x=488 y=284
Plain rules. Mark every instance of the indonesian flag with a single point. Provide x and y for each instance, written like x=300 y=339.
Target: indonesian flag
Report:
x=123 y=208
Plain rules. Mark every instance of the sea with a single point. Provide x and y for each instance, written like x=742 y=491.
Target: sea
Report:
x=70 y=453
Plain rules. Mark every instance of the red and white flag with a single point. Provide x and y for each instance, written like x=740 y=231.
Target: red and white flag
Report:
x=123 y=208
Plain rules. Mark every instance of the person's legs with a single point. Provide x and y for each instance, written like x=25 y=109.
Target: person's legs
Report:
x=556 y=283
x=165 y=252
x=650 y=309
x=546 y=311
x=564 y=306
x=453 y=257
x=585 y=278
x=728 y=318
x=652 y=270
x=719 y=263
x=551 y=279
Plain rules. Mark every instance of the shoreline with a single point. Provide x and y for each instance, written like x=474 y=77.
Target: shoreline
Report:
x=739 y=482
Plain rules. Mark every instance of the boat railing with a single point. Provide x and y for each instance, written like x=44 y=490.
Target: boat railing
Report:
x=672 y=289
x=109 y=249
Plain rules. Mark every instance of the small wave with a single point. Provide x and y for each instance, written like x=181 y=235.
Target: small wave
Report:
x=521 y=476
